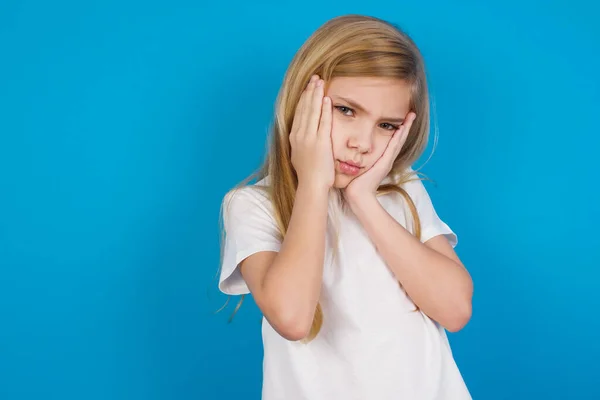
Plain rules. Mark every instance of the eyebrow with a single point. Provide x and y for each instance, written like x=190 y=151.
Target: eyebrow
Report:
x=357 y=106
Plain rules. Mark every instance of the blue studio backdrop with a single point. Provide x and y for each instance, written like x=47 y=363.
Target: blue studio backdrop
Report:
x=123 y=123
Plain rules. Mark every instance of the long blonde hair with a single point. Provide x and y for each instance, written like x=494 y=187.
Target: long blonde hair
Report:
x=346 y=46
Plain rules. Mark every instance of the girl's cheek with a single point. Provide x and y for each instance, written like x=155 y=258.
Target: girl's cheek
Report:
x=335 y=135
x=337 y=131
x=381 y=142
x=337 y=140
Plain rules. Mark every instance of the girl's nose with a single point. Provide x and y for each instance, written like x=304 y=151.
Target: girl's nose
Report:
x=361 y=141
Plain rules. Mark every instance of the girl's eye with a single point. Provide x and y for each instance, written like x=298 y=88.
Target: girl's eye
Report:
x=389 y=127
x=345 y=110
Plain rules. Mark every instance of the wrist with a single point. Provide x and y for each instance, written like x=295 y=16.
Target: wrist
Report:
x=359 y=202
x=315 y=191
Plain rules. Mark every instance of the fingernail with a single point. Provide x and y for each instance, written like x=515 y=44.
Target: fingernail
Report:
x=320 y=82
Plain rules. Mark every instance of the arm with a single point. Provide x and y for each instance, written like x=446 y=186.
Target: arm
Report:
x=286 y=285
x=431 y=272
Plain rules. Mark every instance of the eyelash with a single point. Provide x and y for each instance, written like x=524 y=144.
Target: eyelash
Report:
x=343 y=108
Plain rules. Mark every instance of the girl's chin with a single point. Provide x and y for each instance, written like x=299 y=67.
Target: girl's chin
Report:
x=342 y=180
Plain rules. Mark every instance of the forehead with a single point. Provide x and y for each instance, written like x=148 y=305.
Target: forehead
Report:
x=381 y=95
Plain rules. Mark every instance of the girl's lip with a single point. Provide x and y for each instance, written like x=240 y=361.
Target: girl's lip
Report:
x=348 y=168
x=353 y=164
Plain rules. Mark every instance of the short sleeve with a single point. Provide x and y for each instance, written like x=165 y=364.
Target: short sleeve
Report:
x=431 y=223
x=249 y=228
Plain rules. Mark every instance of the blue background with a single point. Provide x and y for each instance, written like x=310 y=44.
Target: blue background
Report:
x=123 y=123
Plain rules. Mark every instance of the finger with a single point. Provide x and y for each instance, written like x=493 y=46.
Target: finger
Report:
x=301 y=108
x=410 y=118
x=398 y=139
x=314 y=114
x=306 y=93
x=402 y=133
x=390 y=152
x=297 y=115
x=325 y=122
x=307 y=109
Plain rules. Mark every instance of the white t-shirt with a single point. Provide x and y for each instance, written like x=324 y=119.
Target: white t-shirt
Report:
x=372 y=344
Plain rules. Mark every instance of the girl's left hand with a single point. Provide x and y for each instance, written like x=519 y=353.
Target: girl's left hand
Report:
x=367 y=183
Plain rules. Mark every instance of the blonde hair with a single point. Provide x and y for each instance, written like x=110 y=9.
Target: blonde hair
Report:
x=346 y=46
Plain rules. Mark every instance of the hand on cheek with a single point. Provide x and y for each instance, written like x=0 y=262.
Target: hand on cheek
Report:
x=367 y=183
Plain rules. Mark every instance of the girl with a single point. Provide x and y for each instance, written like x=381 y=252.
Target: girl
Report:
x=338 y=242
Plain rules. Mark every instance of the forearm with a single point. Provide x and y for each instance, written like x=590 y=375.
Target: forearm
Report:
x=294 y=279
x=439 y=286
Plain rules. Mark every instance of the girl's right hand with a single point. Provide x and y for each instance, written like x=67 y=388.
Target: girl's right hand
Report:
x=310 y=138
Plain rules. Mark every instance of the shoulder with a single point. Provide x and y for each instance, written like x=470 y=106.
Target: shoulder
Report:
x=253 y=193
x=411 y=181
x=413 y=190
x=251 y=200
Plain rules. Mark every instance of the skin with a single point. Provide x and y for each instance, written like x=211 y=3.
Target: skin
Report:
x=327 y=130
x=362 y=135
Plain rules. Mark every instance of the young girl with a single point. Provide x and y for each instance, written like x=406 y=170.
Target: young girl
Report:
x=338 y=241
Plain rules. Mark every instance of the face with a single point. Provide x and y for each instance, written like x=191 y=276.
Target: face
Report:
x=366 y=113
